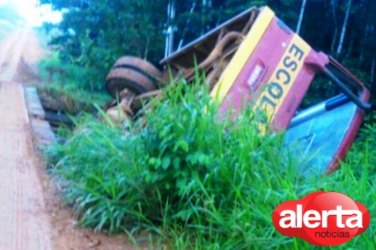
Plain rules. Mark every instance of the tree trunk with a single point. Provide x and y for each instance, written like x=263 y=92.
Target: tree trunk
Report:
x=361 y=56
x=301 y=15
x=333 y=5
x=188 y=21
x=170 y=32
x=344 y=28
x=350 y=48
x=373 y=72
x=332 y=47
x=204 y=9
x=146 y=52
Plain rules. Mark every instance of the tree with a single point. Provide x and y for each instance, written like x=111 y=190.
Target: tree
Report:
x=344 y=28
x=95 y=33
x=301 y=15
x=170 y=32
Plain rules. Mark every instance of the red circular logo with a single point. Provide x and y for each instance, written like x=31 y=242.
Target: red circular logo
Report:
x=322 y=218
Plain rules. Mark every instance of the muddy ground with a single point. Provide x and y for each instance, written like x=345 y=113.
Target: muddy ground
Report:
x=32 y=215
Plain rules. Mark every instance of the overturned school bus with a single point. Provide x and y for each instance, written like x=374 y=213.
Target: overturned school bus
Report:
x=254 y=57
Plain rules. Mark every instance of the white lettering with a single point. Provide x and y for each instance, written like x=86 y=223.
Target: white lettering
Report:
x=313 y=219
x=311 y=216
x=288 y=219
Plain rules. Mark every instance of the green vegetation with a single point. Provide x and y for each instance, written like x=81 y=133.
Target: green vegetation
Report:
x=179 y=175
x=193 y=182
x=66 y=89
x=92 y=36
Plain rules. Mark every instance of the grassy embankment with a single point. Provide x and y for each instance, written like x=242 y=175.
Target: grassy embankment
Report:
x=193 y=182
x=67 y=88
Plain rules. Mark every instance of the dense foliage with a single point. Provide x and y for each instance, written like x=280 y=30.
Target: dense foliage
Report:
x=94 y=33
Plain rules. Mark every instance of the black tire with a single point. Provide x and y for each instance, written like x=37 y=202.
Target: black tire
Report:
x=119 y=79
x=140 y=64
x=134 y=74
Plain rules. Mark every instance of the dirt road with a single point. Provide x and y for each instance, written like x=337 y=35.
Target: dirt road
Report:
x=24 y=222
x=17 y=49
x=32 y=216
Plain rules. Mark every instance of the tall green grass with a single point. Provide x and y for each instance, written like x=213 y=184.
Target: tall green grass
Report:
x=193 y=181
